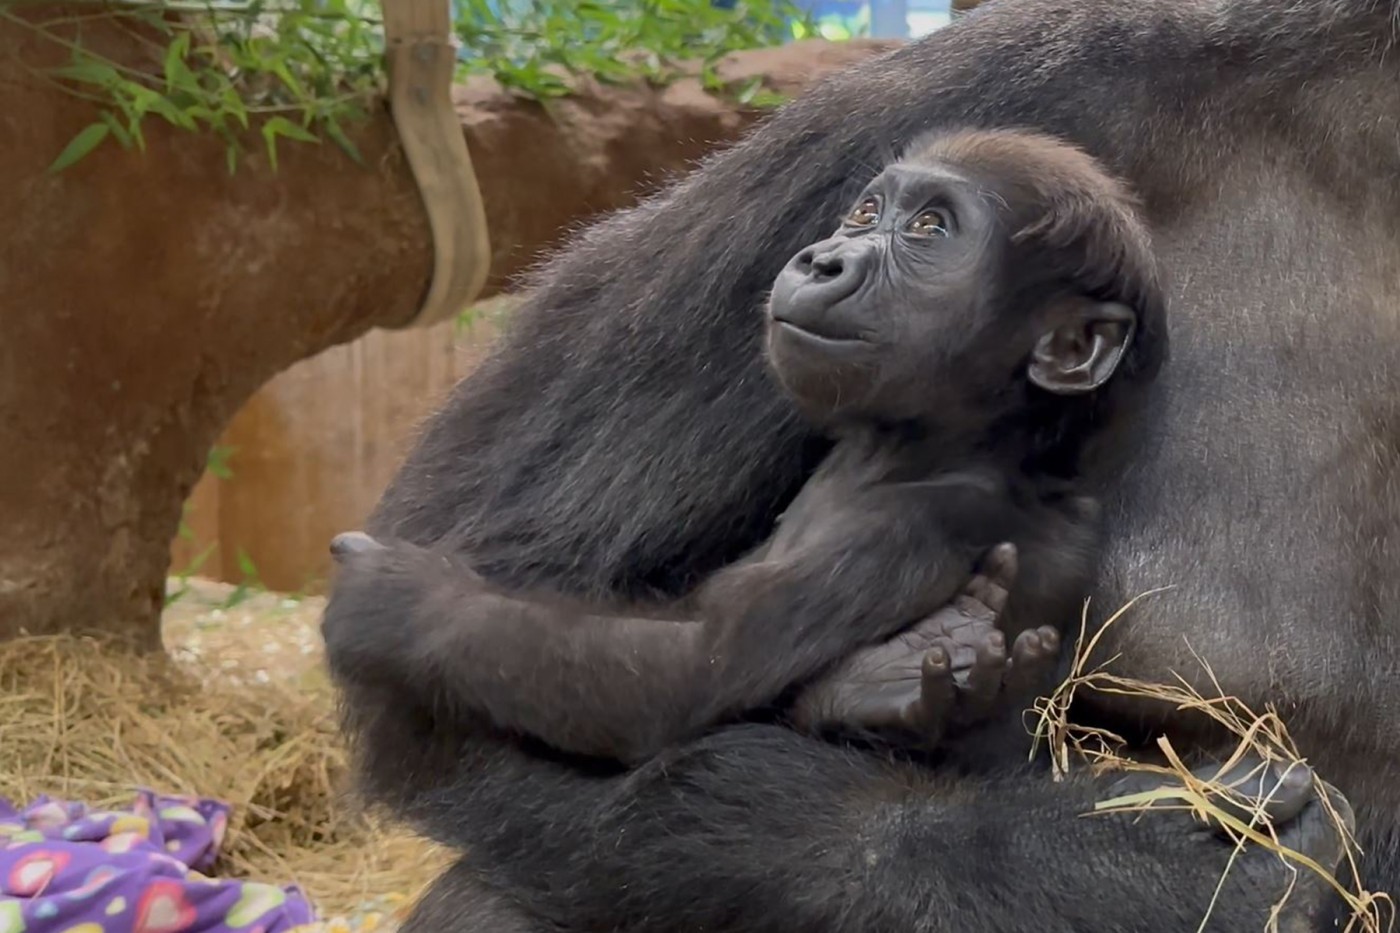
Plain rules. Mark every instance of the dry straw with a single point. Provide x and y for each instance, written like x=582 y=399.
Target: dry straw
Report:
x=1263 y=737
x=87 y=720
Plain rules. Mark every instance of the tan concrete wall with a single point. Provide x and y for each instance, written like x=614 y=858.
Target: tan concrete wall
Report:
x=313 y=450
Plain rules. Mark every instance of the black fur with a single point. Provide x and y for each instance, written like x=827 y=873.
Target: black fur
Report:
x=623 y=442
x=946 y=447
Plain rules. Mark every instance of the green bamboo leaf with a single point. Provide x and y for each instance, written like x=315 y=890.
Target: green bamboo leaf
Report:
x=176 y=72
x=271 y=140
x=133 y=127
x=750 y=88
x=281 y=126
x=166 y=110
x=285 y=75
x=233 y=105
x=118 y=131
x=143 y=99
x=338 y=137
x=88 y=71
x=87 y=140
x=216 y=461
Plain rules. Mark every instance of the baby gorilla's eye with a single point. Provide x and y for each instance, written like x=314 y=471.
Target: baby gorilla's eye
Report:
x=930 y=223
x=866 y=213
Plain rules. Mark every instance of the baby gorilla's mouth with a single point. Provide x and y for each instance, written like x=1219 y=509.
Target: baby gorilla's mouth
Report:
x=830 y=341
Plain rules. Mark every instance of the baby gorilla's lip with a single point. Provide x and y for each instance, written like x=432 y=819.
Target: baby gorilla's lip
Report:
x=811 y=337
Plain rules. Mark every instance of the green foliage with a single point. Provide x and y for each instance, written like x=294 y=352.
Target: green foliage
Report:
x=216 y=462
x=302 y=70
x=834 y=27
x=298 y=69
x=526 y=44
x=250 y=585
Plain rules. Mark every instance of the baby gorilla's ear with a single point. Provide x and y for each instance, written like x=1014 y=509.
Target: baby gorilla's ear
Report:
x=1083 y=349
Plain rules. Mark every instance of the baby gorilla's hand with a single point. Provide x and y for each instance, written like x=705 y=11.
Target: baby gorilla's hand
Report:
x=1290 y=798
x=948 y=672
x=374 y=626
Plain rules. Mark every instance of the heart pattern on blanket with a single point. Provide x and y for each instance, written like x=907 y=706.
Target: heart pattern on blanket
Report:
x=163 y=909
x=34 y=872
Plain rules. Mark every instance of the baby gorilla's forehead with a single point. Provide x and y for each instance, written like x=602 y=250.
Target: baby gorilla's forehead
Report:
x=925 y=177
x=909 y=186
x=1019 y=165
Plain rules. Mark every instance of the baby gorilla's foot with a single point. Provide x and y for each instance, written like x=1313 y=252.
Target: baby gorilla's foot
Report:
x=981 y=680
x=949 y=671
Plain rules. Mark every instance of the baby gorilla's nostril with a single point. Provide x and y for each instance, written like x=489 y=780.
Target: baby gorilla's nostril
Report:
x=826 y=267
x=803 y=261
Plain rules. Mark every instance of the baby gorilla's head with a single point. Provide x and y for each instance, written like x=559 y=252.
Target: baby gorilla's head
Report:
x=982 y=271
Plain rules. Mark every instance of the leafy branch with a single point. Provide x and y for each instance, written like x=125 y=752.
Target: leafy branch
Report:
x=526 y=44
x=299 y=69
x=302 y=70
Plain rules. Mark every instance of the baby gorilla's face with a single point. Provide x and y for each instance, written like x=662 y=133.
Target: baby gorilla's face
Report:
x=878 y=320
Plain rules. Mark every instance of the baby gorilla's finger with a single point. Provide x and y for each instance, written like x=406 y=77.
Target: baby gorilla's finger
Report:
x=349 y=543
x=938 y=697
x=1316 y=831
x=1285 y=789
x=981 y=691
x=992 y=583
x=1034 y=657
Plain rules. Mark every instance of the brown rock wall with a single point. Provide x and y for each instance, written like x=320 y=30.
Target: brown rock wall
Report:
x=146 y=297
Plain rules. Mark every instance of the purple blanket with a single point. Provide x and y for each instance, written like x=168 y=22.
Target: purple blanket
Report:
x=66 y=868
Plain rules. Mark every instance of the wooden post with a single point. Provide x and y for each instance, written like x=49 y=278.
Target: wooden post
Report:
x=422 y=57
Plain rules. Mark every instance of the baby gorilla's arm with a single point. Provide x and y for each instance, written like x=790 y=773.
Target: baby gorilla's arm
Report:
x=948 y=672
x=579 y=680
x=623 y=686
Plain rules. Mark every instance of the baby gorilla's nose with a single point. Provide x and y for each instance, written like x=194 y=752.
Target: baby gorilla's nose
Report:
x=830 y=272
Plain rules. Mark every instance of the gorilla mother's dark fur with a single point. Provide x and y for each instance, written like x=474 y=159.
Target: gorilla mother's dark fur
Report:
x=624 y=439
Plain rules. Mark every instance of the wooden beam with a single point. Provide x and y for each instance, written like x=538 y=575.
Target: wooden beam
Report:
x=421 y=49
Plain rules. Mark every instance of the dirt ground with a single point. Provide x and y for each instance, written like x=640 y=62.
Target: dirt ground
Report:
x=260 y=638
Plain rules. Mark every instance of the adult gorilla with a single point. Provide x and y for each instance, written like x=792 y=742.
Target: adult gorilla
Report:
x=625 y=440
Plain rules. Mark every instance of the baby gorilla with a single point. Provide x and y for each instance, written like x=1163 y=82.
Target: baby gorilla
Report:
x=975 y=337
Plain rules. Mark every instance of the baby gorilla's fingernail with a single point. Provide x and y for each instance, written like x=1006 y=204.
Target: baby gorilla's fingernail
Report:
x=1297 y=776
x=997 y=640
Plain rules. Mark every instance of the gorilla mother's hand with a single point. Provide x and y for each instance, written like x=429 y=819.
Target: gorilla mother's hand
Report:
x=947 y=672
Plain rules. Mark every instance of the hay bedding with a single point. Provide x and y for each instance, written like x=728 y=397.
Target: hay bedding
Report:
x=239 y=713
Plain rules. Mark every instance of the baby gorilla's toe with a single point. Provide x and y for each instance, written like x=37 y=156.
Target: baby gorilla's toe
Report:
x=981 y=683
x=938 y=696
x=1034 y=658
x=985 y=595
